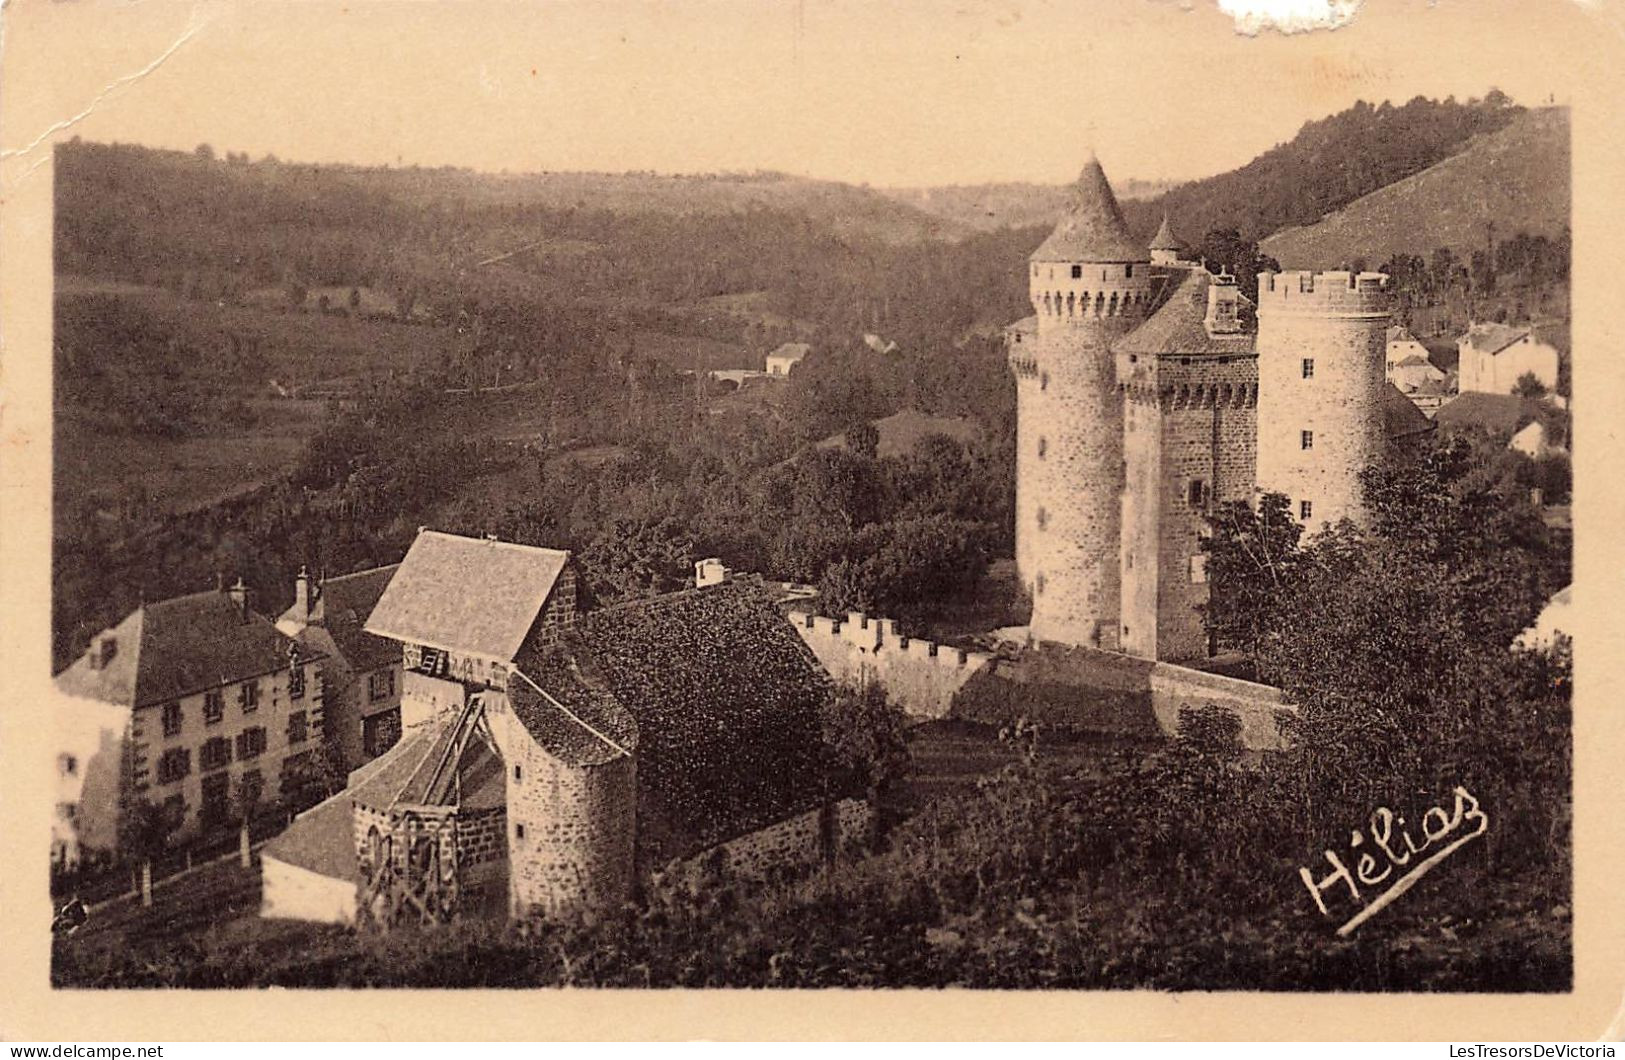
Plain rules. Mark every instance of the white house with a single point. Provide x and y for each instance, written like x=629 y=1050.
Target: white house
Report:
x=786 y=357
x=1493 y=357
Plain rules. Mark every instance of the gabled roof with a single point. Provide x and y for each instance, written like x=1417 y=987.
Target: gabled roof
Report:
x=726 y=697
x=180 y=647
x=793 y=350
x=1177 y=325
x=1400 y=416
x=342 y=607
x=1499 y=413
x=1165 y=238
x=1493 y=338
x=1092 y=229
x=464 y=594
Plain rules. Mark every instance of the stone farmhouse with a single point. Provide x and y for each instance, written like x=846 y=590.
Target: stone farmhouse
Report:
x=552 y=759
x=784 y=359
x=1150 y=390
x=185 y=704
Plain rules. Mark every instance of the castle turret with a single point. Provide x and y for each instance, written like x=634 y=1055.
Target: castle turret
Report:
x=1165 y=246
x=1321 y=339
x=1089 y=285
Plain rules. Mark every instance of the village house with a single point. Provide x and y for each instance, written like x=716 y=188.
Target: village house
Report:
x=782 y=360
x=1493 y=357
x=362 y=678
x=553 y=760
x=1408 y=365
x=187 y=704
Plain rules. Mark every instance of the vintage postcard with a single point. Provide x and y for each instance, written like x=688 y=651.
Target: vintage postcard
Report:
x=1093 y=506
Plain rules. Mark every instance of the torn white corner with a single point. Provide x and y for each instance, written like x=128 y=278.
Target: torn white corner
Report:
x=1289 y=16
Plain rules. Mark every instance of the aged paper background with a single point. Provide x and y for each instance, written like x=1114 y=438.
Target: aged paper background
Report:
x=62 y=62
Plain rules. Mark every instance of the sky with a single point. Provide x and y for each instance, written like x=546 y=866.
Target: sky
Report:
x=893 y=93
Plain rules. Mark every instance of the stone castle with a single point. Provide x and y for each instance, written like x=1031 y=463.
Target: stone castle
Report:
x=1150 y=390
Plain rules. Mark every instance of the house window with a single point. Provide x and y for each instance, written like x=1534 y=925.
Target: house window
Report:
x=248 y=696
x=1198 y=493
x=68 y=764
x=174 y=764
x=214 y=706
x=1077 y=272
x=380 y=732
x=250 y=743
x=1309 y=367
x=68 y=811
x=251 y=788
x=381 y=685
x=214 y=753
x=172 y=718
x=296 y=682
x=1304 y=510
x=216 y=800
x=298 y=727
x=1307 y=439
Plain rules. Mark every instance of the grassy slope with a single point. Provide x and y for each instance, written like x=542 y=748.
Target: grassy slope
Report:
x=1517 y=178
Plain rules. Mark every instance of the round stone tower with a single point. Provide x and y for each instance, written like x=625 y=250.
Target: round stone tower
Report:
x=1321 y=340
x=1089 y=283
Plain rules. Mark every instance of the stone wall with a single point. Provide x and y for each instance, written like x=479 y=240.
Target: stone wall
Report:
x=1339 y=322
x=1258 y=707
x=919 y=676
x=570 y=828
x=1086 y=690
x=795 y=844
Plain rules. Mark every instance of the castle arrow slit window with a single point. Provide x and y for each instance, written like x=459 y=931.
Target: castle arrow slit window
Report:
x=1308 y=367
x=1305 y=509
x=1308 y=439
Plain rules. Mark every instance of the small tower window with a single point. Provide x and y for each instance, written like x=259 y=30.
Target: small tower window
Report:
x=1043 y=518
x=1077 y=272
x=1305 y=509
x=1307 y=439
x=1128 y=272
x=1043 y=447
x=1308 y=367
x=1198 y=493
x=1038 y=584
x=1043 y=381
x=518 y=773
x=518 y=831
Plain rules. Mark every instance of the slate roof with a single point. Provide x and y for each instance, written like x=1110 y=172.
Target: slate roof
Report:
x=466 y=594
x=726 y=697
x=1165 y=238
x=1499 y=413
x=343 y=606
x=1092 y=229
x=1493 y=338
x=566 y=706
x=1400 y=416
x=1176 y=326
x=180 y=647
x=322 y=839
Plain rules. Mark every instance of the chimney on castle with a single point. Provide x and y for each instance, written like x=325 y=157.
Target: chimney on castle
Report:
x=239 y=596
x=302 y=601
x=1223 y=303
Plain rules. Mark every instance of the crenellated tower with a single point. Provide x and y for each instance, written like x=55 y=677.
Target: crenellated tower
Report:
x=1089 y=284
x=1321 y=339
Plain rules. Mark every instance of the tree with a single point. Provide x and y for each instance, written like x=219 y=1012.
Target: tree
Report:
x=1529 y=386
x=246 y=800
x=1252 y=555
x=868 y=734
x=203 y=152
x=145 y=829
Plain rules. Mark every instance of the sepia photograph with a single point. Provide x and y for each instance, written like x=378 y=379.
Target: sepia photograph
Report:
x=1008 y=496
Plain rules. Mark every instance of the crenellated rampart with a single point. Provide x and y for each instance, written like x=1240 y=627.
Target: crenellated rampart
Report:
x=921 y=676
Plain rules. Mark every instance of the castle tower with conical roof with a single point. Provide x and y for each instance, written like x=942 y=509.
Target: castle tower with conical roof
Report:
x=1089 y=284
x=1165 y=246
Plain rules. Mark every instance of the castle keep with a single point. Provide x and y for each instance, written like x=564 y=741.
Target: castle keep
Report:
x=1149 y=390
